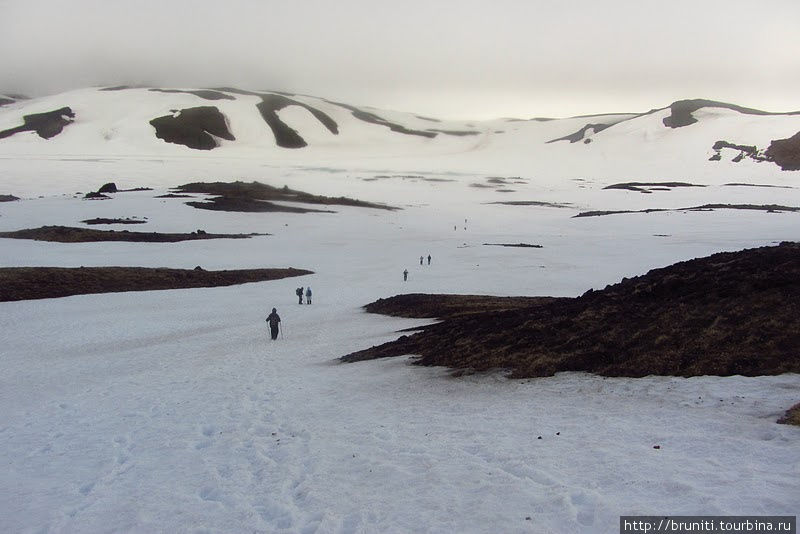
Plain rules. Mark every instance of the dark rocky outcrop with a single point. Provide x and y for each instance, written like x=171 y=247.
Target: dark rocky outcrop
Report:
x=274 y=101
x=8 y=198
x=725 y=314
x=681 y=111
x=46 y=125
x=258 y=197
x=770 y=208
x=193 y=127
x=581 y=134
x=649 y=187
x=785 y=153
x=104 y=220
x=68 y=234
x=285 y=136
x=745 y=151
x=25 y=283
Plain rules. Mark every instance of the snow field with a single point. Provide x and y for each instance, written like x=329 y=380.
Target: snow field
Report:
x=171 y=411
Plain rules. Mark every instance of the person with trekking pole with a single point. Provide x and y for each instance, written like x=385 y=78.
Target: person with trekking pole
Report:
x=274 y=321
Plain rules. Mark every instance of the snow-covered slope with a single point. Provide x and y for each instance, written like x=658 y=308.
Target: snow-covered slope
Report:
x=170 y=411
x=143 y=123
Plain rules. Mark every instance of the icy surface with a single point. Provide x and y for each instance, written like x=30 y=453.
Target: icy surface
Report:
x=171 y=411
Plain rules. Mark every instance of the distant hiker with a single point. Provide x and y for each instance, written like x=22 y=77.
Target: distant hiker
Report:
x=299 y=293
x=308 y=295
x=273 y=321
x=405 y=275
x=420 y=260
x=429 y=259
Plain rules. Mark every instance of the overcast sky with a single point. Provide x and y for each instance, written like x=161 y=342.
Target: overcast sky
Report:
x=446 y=58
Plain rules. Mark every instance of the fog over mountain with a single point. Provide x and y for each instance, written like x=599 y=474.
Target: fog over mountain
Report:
x=470 y=60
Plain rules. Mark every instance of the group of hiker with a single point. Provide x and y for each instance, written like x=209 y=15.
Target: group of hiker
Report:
x=274 y=319
x=299 y=293
x=421 y=262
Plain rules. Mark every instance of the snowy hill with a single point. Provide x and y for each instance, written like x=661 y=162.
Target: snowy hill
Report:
x=153 y=122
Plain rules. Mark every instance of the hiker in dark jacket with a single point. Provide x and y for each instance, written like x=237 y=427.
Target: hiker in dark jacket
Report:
x=274 y=319
x=308 y=295
x=299 y=293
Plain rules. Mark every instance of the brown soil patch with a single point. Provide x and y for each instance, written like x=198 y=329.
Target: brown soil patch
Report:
x=68 y=234
x=726 y=314
x=25 y=283
x=255 y=196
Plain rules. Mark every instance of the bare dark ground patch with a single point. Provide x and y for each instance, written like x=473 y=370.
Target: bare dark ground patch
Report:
x=792 y=416
x=285 y=136
x=740 y=184
x=729 y=313
x=681 y=111
x=411 y=177
x=8 y=198
x=26 y=283
x=46 y=125
x=649 y=187
x=769 y=208
x=259 y=197
x=193 y=127
x=372 y=118
x=513 y=245
x=581 y=134
x=536 y=203
x=206 y=94
x=67 y=234
x=249 y=205
x=102 y=220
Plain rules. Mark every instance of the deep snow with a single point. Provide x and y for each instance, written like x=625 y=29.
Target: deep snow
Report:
x=171 y=411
